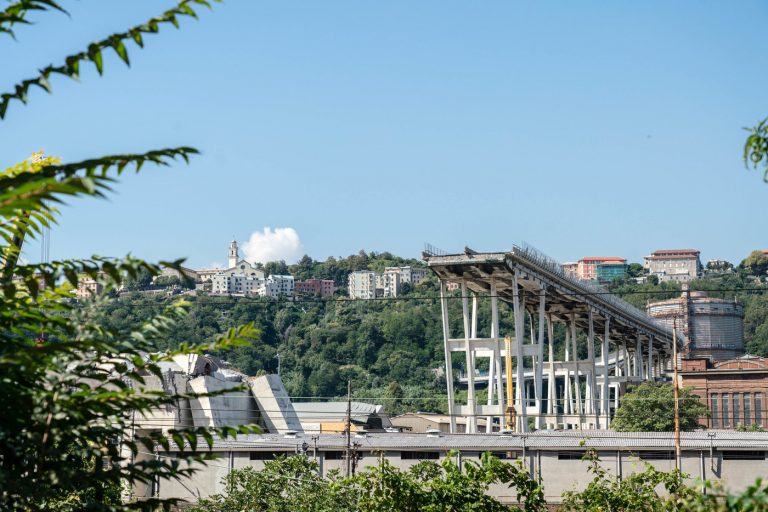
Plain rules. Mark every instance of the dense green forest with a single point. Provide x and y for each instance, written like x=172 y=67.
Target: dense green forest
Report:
x=392 y=350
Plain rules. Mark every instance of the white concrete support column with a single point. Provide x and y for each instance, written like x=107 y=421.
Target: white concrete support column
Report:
x=650 y=375
x=520 y=406
x=469 y=351
x=591 y=386
x=538 y=370
x=473 y=332
x=638 y=358
x=491 y=375
x=497 y=346
x=534 y=362
x=625 y=358
x=567 y=405
x=448 y=364
x=606 y=407
x=552 y=387
x=493 y=367
x=577 y=375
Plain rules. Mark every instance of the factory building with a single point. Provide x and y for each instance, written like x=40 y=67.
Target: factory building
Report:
x=733 y=459
x=713 y=327
x=734 y=390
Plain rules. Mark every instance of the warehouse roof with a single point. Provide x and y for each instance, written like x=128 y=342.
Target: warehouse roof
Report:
x=544 y=440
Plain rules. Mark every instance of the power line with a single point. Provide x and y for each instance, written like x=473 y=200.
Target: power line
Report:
x=229 y=300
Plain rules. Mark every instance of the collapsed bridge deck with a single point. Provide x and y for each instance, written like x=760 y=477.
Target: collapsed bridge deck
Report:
x=634 y=346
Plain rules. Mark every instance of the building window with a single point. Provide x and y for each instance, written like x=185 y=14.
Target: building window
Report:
x=743 y=455
x=570 y=455
x=649 y=455
x=726 y=416
x=266 y=455
x=759 y=409
x=747 y=409
x=736 y=412
x=502 y=455
x=333 y=455
x=713 y=408
x=419 y=455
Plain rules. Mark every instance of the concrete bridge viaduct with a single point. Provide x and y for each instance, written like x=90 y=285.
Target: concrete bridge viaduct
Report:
x=624 y=344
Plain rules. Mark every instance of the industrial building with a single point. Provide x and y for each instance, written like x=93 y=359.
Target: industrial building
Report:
x=734 y=390
x=733 y=459
x=713 y=327
x=330 y=417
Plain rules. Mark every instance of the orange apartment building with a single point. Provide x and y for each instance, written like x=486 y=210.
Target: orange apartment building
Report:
x=586 y=268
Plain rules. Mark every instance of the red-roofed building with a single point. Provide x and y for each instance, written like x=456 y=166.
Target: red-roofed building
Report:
x=674 y=264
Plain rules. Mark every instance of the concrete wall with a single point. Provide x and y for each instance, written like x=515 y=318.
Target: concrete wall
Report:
x=558 y=474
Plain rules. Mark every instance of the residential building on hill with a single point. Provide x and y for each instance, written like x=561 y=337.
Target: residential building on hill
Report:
x=412 y=275
x=674 y=264
x=276 y=286
x=362 y=284
x=610 y=270
x=245 y=278
x=586 y=268
x=388 y=284
x=225 y=283
x=367 y=284
x=571 y=268
x=182 y=273
x=318 y=287
x=88 y=287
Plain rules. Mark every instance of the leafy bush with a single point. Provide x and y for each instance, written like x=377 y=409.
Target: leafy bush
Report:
x=69 y=383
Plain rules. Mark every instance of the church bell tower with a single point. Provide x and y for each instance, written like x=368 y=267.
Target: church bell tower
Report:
x=233 y=257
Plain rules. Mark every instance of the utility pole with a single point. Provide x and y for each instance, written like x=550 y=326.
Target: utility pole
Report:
x=278 y=363
x=348 y=429
x=677 y=406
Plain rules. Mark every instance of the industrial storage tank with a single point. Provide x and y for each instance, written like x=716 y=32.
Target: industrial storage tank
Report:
x=714 y=327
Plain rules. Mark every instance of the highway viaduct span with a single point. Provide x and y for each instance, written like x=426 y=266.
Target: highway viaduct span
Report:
x=624 y=345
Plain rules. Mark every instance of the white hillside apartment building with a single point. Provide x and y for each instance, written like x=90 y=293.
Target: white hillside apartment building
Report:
x=362 y=284
x=276 y=286
x=367 y=284
x=244 y=278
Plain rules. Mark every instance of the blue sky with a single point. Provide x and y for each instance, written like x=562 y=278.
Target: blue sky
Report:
x=583 y=128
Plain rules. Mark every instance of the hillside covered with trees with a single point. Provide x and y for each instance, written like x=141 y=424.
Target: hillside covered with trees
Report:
x=392 y=350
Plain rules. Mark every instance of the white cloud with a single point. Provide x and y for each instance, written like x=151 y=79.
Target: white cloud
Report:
x=272 y=245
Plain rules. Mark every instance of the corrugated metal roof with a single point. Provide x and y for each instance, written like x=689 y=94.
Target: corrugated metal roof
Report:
x=550 y=440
